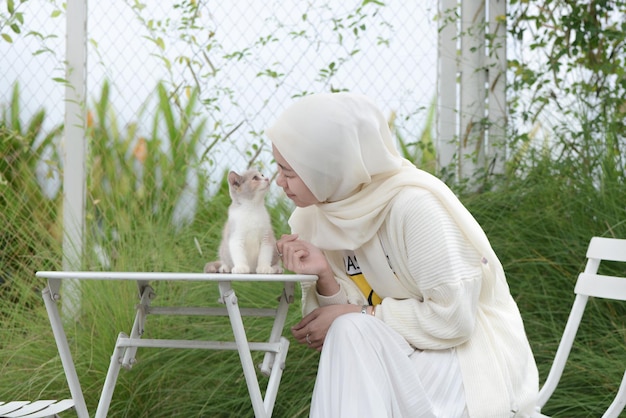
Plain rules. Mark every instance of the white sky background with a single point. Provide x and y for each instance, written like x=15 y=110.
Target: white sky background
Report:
x=400 y=77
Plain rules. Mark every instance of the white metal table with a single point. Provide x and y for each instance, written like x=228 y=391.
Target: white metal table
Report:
x=126 y=345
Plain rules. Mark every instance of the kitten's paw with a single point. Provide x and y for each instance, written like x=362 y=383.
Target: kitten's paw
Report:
x=224 y=269
x=265 y=270
x=277 y=269
x=212 y=267
x=241 y=269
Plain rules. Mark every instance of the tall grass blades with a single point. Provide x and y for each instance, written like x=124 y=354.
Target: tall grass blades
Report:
x=540 y=227
x=30 y=236
x=30 y=228
x=137 y=183
x=420 y=151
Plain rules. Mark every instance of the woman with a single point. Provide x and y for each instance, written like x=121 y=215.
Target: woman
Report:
x=411 y=310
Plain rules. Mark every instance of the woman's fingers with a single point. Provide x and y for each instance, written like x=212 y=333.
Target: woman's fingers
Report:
x=283 y=239
x=308 y=333
x=293 y=252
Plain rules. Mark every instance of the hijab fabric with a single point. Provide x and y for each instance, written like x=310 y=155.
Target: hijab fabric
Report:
x=341 y=146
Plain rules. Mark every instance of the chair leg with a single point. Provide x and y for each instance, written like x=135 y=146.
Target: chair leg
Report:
x=618 y=404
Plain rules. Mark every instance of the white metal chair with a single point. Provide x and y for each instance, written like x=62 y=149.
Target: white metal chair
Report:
x=36 y=409
x=589 y=283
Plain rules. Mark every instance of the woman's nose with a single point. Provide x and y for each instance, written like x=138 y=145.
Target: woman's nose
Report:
x=280 y=180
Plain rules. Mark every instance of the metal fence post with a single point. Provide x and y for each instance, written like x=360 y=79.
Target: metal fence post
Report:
x=471 y=123
x=74 y=149
x=472 y=89
x=497 y=85
x=447 y=91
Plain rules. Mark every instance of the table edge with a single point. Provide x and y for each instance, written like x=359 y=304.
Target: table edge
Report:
x=174 y=276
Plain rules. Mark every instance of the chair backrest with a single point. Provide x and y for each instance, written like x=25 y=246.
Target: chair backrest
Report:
x=592 y=284
x=589 y=283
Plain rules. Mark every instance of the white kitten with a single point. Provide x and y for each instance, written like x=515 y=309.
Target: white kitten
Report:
x=248 y=241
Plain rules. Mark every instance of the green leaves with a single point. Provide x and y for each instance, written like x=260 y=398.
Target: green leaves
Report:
x=376 y=2
x=570 y=83
x=14 y=20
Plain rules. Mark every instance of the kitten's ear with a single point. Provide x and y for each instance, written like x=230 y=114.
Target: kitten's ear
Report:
x=234 y=179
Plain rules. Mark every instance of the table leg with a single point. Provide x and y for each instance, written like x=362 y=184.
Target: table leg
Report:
x=277 y=372
x=230 y=300
x=111 y=378
x=279 y=324
x=146 y=294
x=51 y=296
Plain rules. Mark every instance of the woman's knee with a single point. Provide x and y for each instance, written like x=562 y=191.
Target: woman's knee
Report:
x=361 y=331
x=351 y=326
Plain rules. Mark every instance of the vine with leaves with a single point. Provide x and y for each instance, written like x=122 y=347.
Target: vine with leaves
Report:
x=190 y=45
x=567 y=84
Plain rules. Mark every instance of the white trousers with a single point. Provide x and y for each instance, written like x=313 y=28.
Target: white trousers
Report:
x=367 y=369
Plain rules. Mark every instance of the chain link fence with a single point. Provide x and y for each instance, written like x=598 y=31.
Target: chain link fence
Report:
x=247 y=58
x=179 y=92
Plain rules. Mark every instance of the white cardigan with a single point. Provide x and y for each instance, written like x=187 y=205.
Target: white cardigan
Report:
x=438 y=299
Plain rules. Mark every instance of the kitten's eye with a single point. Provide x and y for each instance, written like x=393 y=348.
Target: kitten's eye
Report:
x=255 y=178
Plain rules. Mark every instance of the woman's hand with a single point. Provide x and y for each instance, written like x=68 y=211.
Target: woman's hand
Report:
x=312 y=329
x=302 y=257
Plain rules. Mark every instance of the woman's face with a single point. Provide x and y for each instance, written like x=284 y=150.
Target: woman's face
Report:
x=292 y=184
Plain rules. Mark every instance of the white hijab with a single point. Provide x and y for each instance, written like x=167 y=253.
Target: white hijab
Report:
x=342 y=148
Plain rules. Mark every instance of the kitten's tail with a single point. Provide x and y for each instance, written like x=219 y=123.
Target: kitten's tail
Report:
x=212 y=267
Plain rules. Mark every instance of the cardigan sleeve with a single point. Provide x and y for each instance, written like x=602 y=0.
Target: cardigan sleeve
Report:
x=348 y=291
x=437 y=264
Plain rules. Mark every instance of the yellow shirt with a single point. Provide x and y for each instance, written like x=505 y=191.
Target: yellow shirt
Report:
x=354 y=272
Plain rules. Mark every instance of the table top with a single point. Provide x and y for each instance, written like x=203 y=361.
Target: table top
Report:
x=174 y=276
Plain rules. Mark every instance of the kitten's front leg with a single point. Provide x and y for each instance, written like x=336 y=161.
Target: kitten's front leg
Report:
x=273 y=269
x=238 y=255
x=267 y=256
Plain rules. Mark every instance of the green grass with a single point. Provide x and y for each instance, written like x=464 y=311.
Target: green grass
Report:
x=164 y=382
x=539 y=225
x=540 y=230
